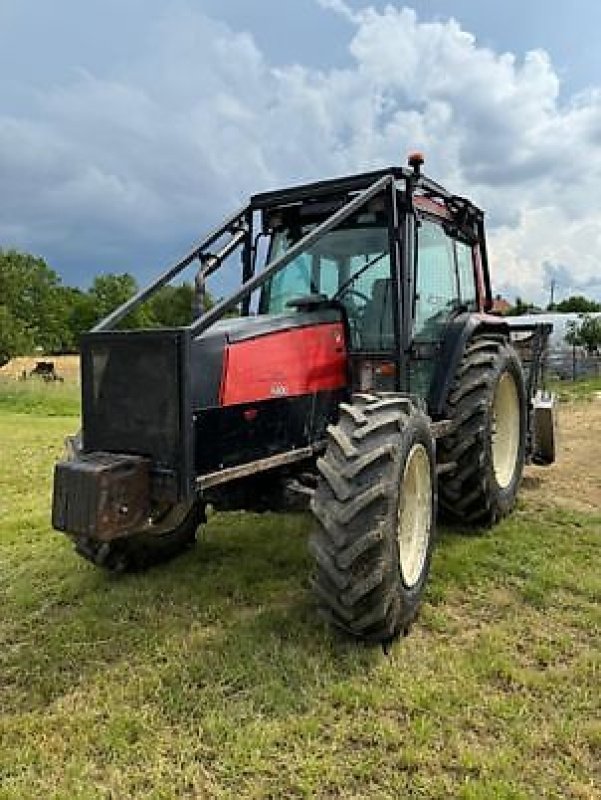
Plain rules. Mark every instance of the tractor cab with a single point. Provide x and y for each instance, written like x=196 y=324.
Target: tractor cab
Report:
x=400 y=270
x=348 y=268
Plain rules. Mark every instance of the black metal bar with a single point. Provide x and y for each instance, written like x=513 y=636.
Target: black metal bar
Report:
x=117 y=315
x=395 y=271
x=545 y=327
x=408 y=278
x=247 y=259
x=262 y=465
x=352 y=183
x=357 y=183
x=361 y=183
x=431 y=187
x=186 y=474
x=215 y=261
x=488 y=301
x=255 y=282
x=210 y=263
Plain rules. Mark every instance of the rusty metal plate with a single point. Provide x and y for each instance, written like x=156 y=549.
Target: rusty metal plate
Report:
x=101 y=495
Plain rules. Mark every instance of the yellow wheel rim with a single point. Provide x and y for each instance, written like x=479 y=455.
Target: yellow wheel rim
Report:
x=415 y=514
x=506 y=430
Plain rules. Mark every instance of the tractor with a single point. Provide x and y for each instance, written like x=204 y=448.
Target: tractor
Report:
x=356 y=370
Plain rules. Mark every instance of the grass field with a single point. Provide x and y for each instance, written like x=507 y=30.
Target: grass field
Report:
x=212 y=676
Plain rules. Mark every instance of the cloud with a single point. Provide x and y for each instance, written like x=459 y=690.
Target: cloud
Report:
x=341 y=8
x=112 y=169
x=547 y=245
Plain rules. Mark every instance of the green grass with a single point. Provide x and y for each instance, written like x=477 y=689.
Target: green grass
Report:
x=212 y=677
x=582 y=389
x=34 y=396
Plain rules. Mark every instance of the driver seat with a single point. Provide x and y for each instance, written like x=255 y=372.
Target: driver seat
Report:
x=377 y=331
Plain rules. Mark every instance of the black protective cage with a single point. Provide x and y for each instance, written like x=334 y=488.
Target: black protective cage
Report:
x=353 y=192
x=146 y=398
x=345 y=196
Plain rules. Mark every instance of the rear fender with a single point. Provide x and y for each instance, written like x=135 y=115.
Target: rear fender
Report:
x=459 y=332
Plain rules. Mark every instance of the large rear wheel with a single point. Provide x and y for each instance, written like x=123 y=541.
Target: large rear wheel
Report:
x=486 y=448
x=375 y=506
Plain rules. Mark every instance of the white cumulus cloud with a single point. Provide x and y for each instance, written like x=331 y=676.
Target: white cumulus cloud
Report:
x=142 y=159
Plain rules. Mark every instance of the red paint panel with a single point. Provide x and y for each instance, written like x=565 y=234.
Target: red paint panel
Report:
x=433 y=206
x=285 y=364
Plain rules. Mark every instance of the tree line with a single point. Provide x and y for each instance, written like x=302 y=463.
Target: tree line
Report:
x=38 y=311
x=576 y=304
x=585 y=333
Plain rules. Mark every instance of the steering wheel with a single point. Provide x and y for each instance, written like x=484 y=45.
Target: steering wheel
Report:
x=354 y=312
x=355 y=293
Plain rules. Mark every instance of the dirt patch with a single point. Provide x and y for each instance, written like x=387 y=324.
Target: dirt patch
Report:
x=66 y=366
x=575 y=480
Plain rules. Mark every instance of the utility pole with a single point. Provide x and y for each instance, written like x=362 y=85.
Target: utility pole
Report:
x=552 y=297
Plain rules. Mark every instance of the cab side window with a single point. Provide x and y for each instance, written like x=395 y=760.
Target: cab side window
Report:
x=437 y=285
x=465 y=272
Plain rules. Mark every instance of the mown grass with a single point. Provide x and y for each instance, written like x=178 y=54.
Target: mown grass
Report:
x=213 y=677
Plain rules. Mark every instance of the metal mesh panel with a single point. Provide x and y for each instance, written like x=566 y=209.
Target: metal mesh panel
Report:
x=132 y=395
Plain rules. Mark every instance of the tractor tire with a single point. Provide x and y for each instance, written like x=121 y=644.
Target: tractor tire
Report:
x=487 y=445
x=141 y=551
x=375 y=506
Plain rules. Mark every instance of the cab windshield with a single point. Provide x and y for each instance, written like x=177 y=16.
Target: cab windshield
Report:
x=350 y=264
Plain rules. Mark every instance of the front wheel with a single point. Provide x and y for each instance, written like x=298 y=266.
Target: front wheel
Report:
x=142 y=550
x=375 y=506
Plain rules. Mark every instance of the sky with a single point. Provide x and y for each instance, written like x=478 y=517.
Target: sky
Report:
x=130 y=127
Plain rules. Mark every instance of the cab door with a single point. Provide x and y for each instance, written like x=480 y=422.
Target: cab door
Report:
x=444 y=287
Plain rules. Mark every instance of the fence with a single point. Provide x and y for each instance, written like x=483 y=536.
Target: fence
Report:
x=573 y=364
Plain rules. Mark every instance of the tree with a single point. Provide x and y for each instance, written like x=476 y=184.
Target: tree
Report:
x=34 y=296
x=520 y=308
x=577 y=304
x=172 y=306
x=585 y=333
x=38 y=311
x=109 y=291
x=14 y=336
x=82 y=315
